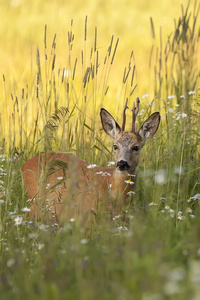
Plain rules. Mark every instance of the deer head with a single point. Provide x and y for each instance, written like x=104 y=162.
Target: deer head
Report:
x=128 y=144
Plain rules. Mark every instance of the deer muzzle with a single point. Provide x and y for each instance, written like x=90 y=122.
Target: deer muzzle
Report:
x=122 y=165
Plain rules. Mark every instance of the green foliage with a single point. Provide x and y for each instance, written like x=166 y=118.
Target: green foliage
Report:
x=155 y=252
x=175 y=69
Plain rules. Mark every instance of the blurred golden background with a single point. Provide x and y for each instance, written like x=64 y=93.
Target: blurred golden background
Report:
x=22 y=32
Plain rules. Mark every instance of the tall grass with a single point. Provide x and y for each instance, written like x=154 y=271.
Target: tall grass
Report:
x=155 y=253
x=175 y=69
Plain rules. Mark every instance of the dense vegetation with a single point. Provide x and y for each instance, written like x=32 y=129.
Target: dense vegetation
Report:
x=156 y=253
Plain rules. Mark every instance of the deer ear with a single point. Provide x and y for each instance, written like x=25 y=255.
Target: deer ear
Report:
x=110 y=126
x=150 y=126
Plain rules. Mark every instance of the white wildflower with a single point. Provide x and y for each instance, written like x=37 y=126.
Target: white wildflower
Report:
x=11 y=213
x=192 y=216
x=145 y=96
x=197 y=196
x=160 y=176
x=141 y=112
x=152 y=204
x=84 y=241
x=18 y=220
x=183 y=115
x=178 y=115
x=105 y=174
x=33 y=235
x=43 y=227
x=119 y=228
x=10 y=262
x=26 y=209
x=40 y=246
x=116 y=217
x=179 y=170
x=170 y=110
x=2 y=157
x=60 y=177
x=59 y=187
x=111 y=163
x=130 y=193
x=91 y=166
x=191 y=92
x=171 y=97
x=122 y=228
x=189 y=210
x=180 y=216
x=129 y=182
x=72 y=220
x=131 y=175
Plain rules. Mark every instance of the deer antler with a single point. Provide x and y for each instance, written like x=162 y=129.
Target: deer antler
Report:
x=135 y=113
x=124 y=115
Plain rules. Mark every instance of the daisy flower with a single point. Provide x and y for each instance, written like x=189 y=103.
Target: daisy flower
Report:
x=167 y=207
x=72 y=220
x=189 y=210
x=129 y=182
x=91 y=166
x=180 y=216
x=26 y=209
x=152 y=204
x=191 y=92
x=18 y=221
x=111 y=163
x=105 y=174
x=99 y=173
x=131 y=175
x=130 y=193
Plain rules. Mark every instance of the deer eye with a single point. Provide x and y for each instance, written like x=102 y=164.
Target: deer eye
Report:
x=115 y=147
x=135 y=148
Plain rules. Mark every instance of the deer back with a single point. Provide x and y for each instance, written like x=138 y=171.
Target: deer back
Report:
x=61 y=186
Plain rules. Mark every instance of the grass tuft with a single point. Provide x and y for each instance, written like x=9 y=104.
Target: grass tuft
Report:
x=153 y=250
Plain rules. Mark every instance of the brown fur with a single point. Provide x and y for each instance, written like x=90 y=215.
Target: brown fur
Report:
x=61 y=186
x=80 y=189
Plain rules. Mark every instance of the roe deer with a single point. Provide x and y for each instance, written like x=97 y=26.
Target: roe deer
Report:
x=61 y=186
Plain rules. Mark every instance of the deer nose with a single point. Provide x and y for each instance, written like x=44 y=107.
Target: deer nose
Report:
x=123 y=165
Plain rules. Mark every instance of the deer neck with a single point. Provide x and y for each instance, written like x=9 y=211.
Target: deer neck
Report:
x=122 y=184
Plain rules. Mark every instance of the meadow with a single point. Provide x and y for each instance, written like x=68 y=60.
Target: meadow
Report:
x=60 y=64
